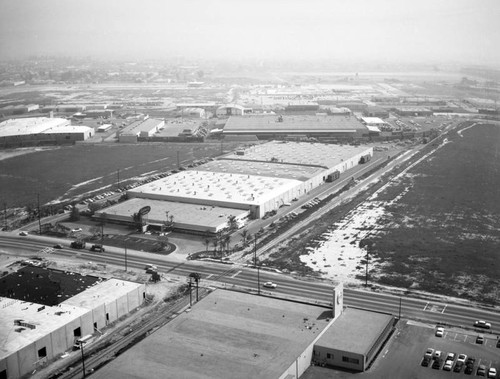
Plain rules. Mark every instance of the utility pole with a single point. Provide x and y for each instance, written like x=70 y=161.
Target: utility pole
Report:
x=178 y=162
x=38 y=206
x=83 y=357
x=366 y=278
x=125 y=258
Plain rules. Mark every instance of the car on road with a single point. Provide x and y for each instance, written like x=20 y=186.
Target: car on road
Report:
x=492 y=372
x=429 y=352
x=462 y=358
x=439 y=332
x=76 y=230
x=23 y=233
x=482 y=324
x=270 y=285
x=481 y=370
x=150 y=268
x=58 y=246
x=98 y=248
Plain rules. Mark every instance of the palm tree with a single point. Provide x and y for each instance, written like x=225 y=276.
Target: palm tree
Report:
x=197 y=277
x=215 y=242
x=207 y=242
x=244 y=236
x=227 y=241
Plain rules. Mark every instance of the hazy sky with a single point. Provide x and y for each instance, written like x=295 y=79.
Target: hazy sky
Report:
x=369 y=30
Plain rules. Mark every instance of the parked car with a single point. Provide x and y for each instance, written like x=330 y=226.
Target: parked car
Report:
x=58 y=246
x=462 y=358
x=498 y=343
x=448 y=365
x=76 y=230
x=481 y=370
x=437 y=354
x=480 y=339
x=436 y=365
x=429 y=352
x=482 y=324
x=270 y=285
x=23 y=233
x=426 y=361
x=439 y=332
x=458 y=367
x=451 y=356
x=492 y=372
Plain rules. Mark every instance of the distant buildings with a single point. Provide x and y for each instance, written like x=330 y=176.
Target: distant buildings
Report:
x=41 y=130
x=141 y=128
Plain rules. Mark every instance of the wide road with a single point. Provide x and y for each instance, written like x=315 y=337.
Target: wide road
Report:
x=247 y=278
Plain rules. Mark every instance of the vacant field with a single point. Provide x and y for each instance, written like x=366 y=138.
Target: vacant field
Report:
x=441 y=228
x=68 y=172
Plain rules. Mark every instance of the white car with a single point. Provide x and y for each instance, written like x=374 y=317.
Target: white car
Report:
x=462 y=358
x=492 y=372
x=270 y=285
x=76 y=230
x=23 y=233
x=447 y=365
x=482 y=324
x=439 y=332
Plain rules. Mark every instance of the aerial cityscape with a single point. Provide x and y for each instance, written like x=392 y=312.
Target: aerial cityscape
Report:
x=250 y=189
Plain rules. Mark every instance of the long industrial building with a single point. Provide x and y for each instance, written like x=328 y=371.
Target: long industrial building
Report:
x=41 y=130
x=246 y=183
x=267 y=127
x=35 y=332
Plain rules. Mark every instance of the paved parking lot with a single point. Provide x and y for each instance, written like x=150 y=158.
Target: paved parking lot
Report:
x=402 y=355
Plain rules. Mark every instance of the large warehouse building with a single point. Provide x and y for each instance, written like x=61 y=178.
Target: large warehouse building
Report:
x=237 y=335
x=41 y=130
x=246 y=183
x=34 y=332
x=279 y=127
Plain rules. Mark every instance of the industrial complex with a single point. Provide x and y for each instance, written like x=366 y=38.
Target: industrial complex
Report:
x=255 y=337
x=245 y=184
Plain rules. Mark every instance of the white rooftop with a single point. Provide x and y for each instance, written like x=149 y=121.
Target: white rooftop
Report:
x=31 y=125
x=44 y=319
x=101 y=293
x=215 y=187
x=373 y=120
x=300 y=153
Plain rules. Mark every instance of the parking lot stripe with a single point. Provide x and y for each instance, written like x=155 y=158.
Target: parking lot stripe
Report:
x=426 y=304
x=444 y=308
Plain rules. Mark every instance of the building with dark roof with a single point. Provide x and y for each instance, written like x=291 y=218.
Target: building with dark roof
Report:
x=276 y=127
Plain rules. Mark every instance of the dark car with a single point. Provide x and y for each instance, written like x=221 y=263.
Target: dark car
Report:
x=458 y=367
x=498 y=343
x=426 y=361
x=437 y=364
x=58 y=246
x=481 y=370
x=480 y=339
x=97 y=248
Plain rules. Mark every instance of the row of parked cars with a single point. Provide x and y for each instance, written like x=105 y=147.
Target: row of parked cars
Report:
x=311 y=203
x=452 y=362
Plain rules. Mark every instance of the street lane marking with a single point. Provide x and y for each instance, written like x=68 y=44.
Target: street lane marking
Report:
x=209 y=276
x=234 y=276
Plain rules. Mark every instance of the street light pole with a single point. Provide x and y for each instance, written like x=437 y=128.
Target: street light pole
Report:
x=366 y=277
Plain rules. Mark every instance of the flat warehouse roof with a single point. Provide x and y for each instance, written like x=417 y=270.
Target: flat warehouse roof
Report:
x=226 y=335
x=216 y=187
x=31 y=125
x=355 y=331
x=40 y=321
x=183 y=213
x=288 y=171
x=269 y=124
x=300 y=153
